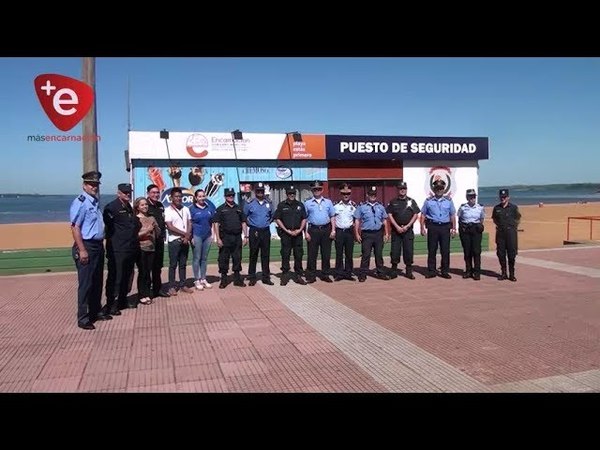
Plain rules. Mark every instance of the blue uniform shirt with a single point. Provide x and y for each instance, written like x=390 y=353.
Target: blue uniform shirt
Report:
x=438 y=210
x=471 y=214
x=372 y=215
x=201 y=219
x=258 y=215
x=319 y=213
x=344 y=214
x=85 y=213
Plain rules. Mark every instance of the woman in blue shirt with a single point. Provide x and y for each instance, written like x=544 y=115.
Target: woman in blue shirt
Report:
x=202 y=212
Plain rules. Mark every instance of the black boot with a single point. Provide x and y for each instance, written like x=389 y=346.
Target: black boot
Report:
x=223 y=283
x=237 y=280
x=409 y=273
x=394 y=271
x=503 y=275
x=511 y=273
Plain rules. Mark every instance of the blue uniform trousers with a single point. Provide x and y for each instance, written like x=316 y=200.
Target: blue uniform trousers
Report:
x=90 y=277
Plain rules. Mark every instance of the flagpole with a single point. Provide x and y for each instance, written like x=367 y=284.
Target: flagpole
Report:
x=89 y=125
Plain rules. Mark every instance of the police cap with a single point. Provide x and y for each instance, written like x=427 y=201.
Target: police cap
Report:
x=401 y=184
x=316 y=185
x=503 y=193
x=471 y=193
x=125 y=188
x=92 y=177
x=439 y=184
x=260 y=186
x=372 y=190
x=345 y=188
x=228 y=191
x=290 y=190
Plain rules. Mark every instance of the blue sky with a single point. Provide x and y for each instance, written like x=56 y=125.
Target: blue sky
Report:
x=542 y=115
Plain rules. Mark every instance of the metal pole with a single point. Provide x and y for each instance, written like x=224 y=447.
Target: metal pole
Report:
x=90 y=144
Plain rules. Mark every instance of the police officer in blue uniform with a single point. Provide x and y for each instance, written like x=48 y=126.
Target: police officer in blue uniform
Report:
x=122 y=249
x=290 y=217
x=87 y=227
x=320 y=218
x=259 y=215
x=229 y=222
x=506 y=216
x=402 y=214
x=438 y=222
x=344 y=234
x=470 y=227
x=371 y=229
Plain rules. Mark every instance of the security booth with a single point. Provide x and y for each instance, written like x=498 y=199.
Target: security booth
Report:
x=215 y=161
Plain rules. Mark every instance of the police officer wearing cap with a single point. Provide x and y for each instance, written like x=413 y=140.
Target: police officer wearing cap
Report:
x=320 y=220
x=290 y=217
x=371 y=229
x=344 y=234
x=402 y=214
x=87 y=227
x=506 y=216
x=259 y=215
x=157 y=210
x=438 y=222
x=122 y=248
x=470 y=227
x=229 y=222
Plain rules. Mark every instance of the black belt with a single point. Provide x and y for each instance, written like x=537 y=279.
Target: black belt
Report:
x=371 y=231
x=429 y=222
x=93 y=241
x=319 y=227
x=259 y=228
x=344 y=229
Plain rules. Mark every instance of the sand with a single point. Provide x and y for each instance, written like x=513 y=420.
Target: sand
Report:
x=544 y=227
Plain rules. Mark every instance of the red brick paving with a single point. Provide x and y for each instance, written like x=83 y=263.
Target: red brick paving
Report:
x=245 y=340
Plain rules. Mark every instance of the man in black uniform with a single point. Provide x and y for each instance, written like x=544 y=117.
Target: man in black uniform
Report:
x=402 y=214
x=157 y=210
x=291 y=220
x=122 y=247
x=506 y=216
x=87 y=227
x=229 y=222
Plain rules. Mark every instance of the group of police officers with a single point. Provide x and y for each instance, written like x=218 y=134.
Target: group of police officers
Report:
x=317 y=219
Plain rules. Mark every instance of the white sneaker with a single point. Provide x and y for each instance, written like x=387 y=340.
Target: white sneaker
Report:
x=198 y=285
x=206 y=284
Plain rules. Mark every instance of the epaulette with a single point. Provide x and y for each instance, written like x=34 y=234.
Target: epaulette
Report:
x=81 y=198
x=464 y=204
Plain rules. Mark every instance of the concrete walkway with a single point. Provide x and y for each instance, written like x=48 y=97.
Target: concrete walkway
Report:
x=540 y=334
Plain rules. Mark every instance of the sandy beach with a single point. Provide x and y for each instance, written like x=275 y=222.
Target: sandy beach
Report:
x=544 y=227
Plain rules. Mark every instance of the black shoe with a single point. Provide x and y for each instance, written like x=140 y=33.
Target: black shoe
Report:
x=326 y=279
x=393 y=274
x=409 y=275
x=268 y=282
x=102 y=316
x=502 y=276
x=476 y=277
x=349 y=278
x=298 y=280
x=114 y=311
x=310 y=280
x=283 y=281
x=362 y=278
x=132 y=305
x=252 y=282
x=223 y=283
x=466 y=275
x=430 y=275
x=338 y=278
x=86 y=326
x=239 y=283
x=512 y=278
x=447 y=276
x=382 y=276
x=162 y=294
